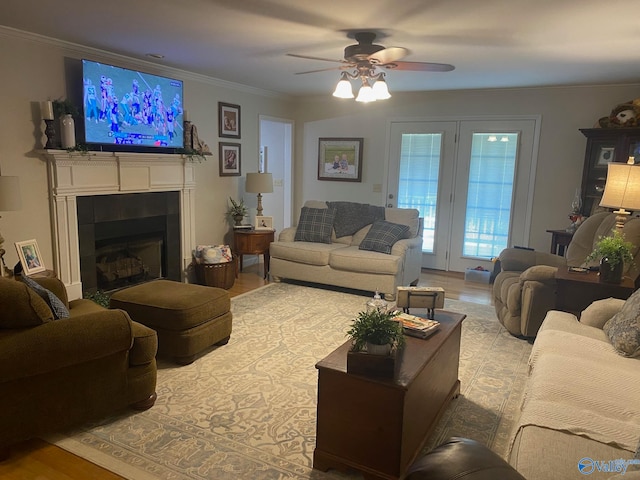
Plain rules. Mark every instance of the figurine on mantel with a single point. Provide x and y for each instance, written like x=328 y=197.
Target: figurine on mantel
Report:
x=191 y=140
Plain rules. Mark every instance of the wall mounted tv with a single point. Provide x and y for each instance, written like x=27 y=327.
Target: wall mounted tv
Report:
x=129 y=110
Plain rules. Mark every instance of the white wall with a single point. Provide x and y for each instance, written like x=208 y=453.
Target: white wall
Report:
x=561 y=150
x=34 y=69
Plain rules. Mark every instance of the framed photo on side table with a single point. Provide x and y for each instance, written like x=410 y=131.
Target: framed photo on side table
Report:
x=264 y=223
x=229 y=158
x=340 y=159
x=228 y=120
x=30 y=257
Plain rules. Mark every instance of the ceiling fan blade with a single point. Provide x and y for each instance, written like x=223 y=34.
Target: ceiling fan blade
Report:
x=419 y=66
x=388 y=55
x=315 y=58
x=343 y=67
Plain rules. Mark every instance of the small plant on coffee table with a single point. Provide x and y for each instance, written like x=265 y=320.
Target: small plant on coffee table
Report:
x=375 y=327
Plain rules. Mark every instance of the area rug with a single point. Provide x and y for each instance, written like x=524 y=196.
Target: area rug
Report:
x=247 y=410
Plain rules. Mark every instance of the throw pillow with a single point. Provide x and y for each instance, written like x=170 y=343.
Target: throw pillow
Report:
x=600 y=311
x=623 y=329
x=58 y=308
x=315 y=225
x=382 y=235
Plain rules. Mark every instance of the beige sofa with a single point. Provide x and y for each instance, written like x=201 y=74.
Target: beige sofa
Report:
x=582 y=399
x=342 y=263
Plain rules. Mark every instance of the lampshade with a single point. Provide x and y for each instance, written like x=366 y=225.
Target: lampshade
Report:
x=365 y=94
x=9 y=194
x=622 y=189
x=343 y=88
x=380 y=90
x=259 y=183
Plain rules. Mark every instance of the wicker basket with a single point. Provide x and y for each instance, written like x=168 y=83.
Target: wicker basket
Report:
x=221 y=275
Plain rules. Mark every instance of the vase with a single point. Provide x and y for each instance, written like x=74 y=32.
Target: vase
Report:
x=609 y=274
x=238 y=219
x=374 y=349
x=67 y=131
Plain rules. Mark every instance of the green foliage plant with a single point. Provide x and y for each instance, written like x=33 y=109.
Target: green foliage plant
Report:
x=64 y=107
x=377 y=327
x=614 y=248
x=237 y=208
x=99 y=297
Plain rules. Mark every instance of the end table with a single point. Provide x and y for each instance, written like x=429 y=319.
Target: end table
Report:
x=576 y=291
x=253 y=242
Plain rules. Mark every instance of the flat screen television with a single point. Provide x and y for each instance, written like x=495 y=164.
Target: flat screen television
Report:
x=130 y=110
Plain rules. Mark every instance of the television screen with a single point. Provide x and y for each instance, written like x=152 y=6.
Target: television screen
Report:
x=129 y=109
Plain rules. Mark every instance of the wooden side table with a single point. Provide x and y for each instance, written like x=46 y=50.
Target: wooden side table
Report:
x=253 y=242
x=560 y=239
x=576 y=291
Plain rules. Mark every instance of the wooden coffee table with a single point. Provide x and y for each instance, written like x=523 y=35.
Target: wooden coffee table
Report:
x=375 y=425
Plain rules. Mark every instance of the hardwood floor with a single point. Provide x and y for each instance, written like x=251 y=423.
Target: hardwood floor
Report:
x=39 y=460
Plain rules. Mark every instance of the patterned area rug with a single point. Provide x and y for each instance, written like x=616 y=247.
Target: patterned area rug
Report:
x=247 y=410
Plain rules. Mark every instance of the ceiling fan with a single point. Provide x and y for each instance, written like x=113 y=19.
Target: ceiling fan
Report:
x=366 y=53
x=363 y=61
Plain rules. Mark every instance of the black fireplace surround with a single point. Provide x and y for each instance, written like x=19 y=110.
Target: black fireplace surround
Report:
x=124 y=218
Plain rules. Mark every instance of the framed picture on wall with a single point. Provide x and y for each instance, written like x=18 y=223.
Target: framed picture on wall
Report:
x=340 y=159
x=229 y=158
x=228 y=120
x=30 y=257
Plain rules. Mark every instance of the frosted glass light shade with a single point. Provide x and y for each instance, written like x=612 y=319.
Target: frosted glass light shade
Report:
x=380 y=90
x=365 y=94
x=343 y=89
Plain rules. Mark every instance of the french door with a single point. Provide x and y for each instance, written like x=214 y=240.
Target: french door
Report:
x=471 y=181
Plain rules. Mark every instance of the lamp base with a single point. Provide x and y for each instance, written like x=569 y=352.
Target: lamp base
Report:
x=259 y=209
x=621 y=217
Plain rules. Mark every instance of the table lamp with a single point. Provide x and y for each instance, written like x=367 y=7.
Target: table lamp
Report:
x=622 y=190
x=259 y=183
x=9 y=201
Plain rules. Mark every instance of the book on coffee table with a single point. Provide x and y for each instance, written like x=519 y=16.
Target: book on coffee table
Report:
x=417 y=326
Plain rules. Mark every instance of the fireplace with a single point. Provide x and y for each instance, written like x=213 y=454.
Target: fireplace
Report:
x=128 y=239
x=94 y=216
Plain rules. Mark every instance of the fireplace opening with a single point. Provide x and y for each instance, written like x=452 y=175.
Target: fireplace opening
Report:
x=127 y=239
x=129 y=261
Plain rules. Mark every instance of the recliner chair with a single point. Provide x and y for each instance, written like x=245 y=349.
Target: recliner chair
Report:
x=525 y=290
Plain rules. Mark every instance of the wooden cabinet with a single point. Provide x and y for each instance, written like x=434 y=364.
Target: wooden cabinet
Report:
x=605 y=145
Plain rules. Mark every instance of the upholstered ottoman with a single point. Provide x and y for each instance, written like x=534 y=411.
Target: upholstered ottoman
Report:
x=187 y=318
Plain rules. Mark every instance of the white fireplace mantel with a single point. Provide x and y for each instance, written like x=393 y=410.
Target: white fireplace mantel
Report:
x=107 y=173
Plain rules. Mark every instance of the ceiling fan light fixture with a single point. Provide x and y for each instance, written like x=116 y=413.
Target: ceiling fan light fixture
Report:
x=380 y=90
x=343 y=88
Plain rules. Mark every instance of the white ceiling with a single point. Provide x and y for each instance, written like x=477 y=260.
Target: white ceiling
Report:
x=492 y=43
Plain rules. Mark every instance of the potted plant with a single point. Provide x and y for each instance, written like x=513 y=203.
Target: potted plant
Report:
x=376 y=332
x=237 y=211
x=612 y=251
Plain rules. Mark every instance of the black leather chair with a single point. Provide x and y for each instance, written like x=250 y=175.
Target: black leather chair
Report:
x=461 y=458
